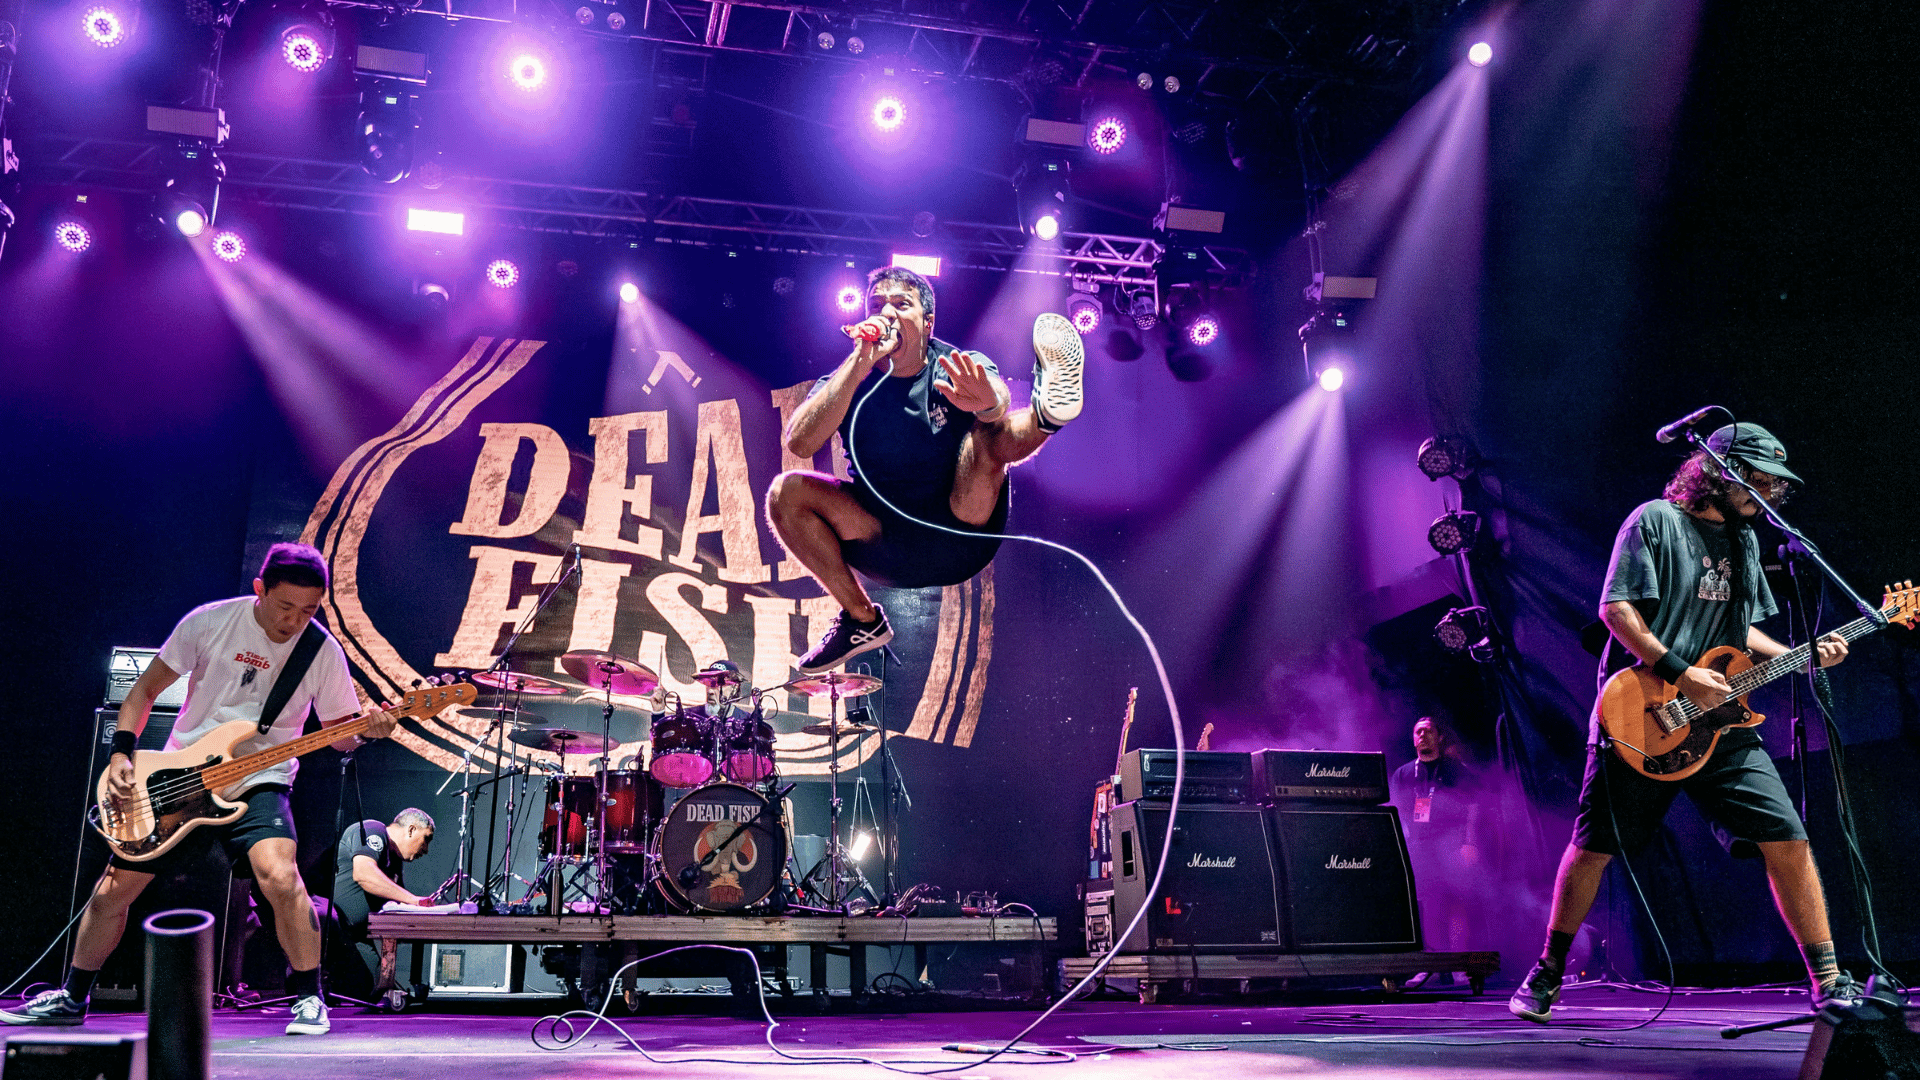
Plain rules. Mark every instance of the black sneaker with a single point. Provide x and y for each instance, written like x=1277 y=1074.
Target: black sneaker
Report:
x=1843 y=993
x=52 y=1008
x=846 y=639
x=1534 y=1000
x=1058 y=361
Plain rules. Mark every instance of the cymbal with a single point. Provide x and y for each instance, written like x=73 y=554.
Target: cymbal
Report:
x=561 y=741
x=718 y=678
x=514 y=717
x=596 y=668
x=844 y=729
x=521 y=682
x=850 y=684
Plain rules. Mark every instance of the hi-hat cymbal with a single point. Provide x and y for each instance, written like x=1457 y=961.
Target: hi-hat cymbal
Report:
x=596 y=669
x=844 y=729
x=513 y=717
x=520 y=682
x=561 y=740
x=849 y=684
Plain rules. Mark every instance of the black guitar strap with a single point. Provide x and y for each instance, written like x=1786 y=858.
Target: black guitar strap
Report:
x=298 y=661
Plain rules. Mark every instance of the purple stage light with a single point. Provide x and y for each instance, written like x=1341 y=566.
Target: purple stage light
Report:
x=190 y=222
x=528 y=71
x=302 y=49
x=889 y=113
x=848 y=299
x=629 y=293
x=446 y=222
x=1108 y=134
x=503 y=274
x=72 y=235
x=1046 y=226
x=1480 y=55
x=927 y=266
x=1084 y=314
x=229 y=246
x=1204 y=330
x=1333 y=379
x=104 y=26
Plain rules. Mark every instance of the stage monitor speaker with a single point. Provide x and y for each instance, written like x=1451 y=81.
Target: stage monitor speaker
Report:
x=38 y=1055
x=456 y=970
x=1348 y=885
x=1219 y=892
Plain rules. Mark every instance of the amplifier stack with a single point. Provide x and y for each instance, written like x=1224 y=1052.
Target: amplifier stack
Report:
x=1283 y=850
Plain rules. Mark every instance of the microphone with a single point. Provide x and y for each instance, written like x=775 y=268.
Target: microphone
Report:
x=1673 y=431
x=877 y=328
x=690 y=876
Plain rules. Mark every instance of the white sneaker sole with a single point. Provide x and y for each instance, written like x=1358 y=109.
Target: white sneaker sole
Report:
x=1059 y=359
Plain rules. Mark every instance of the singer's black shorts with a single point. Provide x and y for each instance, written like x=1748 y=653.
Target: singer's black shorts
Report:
x=269 y=814
x=1739 y=790
x=909 y=555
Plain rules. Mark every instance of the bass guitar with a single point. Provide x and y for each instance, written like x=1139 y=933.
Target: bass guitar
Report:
x=178 y=791
x=1662 y=734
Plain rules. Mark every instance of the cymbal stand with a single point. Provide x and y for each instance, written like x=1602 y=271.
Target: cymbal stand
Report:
x=462 y=879
x=840 y=874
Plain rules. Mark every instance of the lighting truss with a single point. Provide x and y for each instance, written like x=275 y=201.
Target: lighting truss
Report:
x=641 y=217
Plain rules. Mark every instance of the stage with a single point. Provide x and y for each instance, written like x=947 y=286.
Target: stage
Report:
x=1364 y=1033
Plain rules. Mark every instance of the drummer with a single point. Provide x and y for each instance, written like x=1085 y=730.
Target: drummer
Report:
x=682 y=746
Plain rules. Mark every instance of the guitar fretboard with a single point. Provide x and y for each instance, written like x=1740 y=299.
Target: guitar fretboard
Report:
x=1794 y=659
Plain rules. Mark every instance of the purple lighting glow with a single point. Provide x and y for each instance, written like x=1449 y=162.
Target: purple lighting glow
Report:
x=301 y=48
x=629 y=293
x=1046 y=226
x=1205 y=330
x=104 y=26
x=73 y=236
x=1085 y=315
x=1333 y=379
x=229 y=246
x=1108 y=134
x=503 y=274
x=528 y=71
x=848 y=299
x=889 y=113
x=1480 y=55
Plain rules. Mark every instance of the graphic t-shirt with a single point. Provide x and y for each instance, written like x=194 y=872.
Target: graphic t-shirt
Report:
x=231 y=666
x=1678 y=571
x=909 y=434
x=368 y=838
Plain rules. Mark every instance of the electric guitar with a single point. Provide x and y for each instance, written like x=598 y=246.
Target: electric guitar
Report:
x=178 y=791
x=1662 y=734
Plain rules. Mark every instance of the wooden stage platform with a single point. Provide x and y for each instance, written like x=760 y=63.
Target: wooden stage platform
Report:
x=1393 y=969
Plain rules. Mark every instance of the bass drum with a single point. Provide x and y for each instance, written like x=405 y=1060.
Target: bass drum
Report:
x=743 y=834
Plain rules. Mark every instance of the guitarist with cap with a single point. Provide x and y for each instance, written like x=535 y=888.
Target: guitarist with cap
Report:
x=1685 y=578
x=233 y=653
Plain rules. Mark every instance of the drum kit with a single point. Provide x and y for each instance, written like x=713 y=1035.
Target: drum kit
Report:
x=611 y=840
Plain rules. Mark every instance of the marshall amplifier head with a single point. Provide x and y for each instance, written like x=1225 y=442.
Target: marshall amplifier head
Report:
x=1212 y=777
x=1321 y=776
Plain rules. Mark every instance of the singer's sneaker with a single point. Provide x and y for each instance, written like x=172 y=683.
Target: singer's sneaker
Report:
x=1841 y=994
x=309 y=1017
x=846 y=639
x=1534 y=1000
x=51 y=1008
x=1058 y=358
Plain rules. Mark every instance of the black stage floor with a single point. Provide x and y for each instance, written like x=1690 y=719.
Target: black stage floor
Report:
x=1363 y=1036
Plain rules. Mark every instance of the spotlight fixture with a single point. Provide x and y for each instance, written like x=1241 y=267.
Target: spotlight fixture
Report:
x=503 y=274
x=1480 y=55
x=189 y=198
x=73 y=236
x=1461 y=629
x=1172 y=84
x=1454 y=531
x=1333 y=378
x=306 y=39
x=1325 y=342
x=1144 y=80
x=629 y=293
x=825 y=41
x=1041 y=189
x=616 y=21
x=527 y=70
x=386 y=127
x=1445 y=455
x=229 y=246
x=108 y=25
x=434 y=295
x=1144 y=309
x=1107 y=134
x=889 y=112
x=848 y=299
x=783 y=285
x=1084 y=313
x=855 y=44
x=923 y=223
x=1203 y=330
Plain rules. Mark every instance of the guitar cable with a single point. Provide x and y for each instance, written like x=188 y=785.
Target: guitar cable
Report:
x=57 y=939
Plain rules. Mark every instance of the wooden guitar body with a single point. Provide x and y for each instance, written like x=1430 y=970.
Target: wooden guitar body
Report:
x=1637 y=711
x=170 y=800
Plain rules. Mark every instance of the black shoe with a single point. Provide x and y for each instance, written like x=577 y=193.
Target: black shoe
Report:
x=1840 y=994
x=847 y=639
x=53 y=1008
x=1534 y=1000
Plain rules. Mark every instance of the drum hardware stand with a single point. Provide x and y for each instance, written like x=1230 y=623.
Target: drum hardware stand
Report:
x=836 y=893
x=893 y=788
x=462 y=878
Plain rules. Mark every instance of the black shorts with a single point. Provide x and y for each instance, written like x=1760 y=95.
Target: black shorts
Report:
x=269 y=814
x=1738 y=790
x=911 y=556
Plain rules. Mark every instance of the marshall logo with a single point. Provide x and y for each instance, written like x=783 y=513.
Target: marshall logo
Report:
x=1317 y=769
x=1214 y=862
x=1335 y=862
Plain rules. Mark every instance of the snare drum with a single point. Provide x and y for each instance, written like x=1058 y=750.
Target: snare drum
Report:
x=746 y=750
x=564 y=830
x=681 y=749
x=742 y=833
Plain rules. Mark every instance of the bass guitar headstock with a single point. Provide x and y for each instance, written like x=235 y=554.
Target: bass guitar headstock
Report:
x=1902 y=604
x=433 y=697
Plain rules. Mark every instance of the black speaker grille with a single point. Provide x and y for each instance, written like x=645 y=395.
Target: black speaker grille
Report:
x=1348 y=886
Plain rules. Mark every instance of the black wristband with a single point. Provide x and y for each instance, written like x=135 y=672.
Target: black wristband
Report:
x=1670 y=667
x=123 y=741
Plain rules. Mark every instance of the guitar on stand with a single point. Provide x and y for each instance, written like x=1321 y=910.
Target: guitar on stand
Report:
x=1664 y=735
x=177 y=791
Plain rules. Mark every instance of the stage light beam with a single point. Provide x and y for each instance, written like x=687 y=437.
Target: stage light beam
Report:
x=528 y=71
x=73 y=236
x=229 y=246
x=1480 y=55
x=1204 y=331
x=1333 y=379
x=629 y=293
x=104 y=26
x=446 y=222
x=848 y=299
x=1107 y=135
x=503 y=274
x=889 y=113
x=1046 y=226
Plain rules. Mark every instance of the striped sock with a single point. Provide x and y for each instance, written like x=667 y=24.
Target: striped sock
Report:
x=1822 y=967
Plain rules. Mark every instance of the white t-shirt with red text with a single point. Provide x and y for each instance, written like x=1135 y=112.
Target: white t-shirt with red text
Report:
x=231 y=665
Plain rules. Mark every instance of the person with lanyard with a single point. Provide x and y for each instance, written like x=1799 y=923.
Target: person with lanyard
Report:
x=369 y=871
x=1685 y=578
x=935 y=438
x=231 y=652
x=1439 y=804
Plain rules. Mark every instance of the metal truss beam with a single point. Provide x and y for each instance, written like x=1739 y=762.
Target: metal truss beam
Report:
x=638 y=216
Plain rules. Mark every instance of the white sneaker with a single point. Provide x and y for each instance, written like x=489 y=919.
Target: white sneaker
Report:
x=1058 y=358
x=309 y=1017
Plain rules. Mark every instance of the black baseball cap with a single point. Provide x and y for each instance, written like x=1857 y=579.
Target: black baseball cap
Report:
x=1755 y=446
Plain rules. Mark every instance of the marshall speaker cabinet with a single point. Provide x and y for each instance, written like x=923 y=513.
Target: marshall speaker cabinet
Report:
x=1347 y=884
x=1219 y=893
